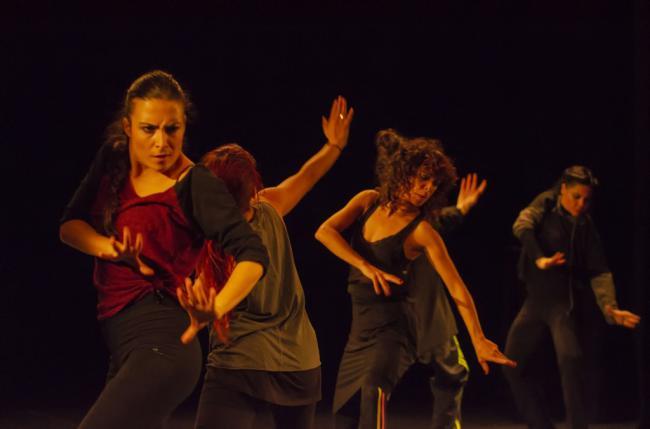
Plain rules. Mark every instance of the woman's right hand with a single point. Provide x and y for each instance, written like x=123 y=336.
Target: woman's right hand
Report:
x=379 y=278
x=545 y=263
x=127 y=251
x=487 y=351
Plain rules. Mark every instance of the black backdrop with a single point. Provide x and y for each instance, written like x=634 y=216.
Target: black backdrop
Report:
x=516 y=92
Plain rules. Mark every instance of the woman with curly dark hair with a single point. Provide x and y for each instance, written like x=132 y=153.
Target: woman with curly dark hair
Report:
x=393 y=228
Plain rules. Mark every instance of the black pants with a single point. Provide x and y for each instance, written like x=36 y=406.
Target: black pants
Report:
x=450 y=374
x=223 y=407
x=151 y=372
x=532 y=322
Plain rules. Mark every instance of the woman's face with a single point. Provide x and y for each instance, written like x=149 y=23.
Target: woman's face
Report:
x=422 y=186
x=575 y=198
x=156 y=129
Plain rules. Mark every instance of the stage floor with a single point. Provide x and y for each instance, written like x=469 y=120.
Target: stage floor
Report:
x=68 y=419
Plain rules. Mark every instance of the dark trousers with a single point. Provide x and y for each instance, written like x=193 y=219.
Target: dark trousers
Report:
x=151 y=372
x=450 y=374
x=220 y=407
x=534 y=320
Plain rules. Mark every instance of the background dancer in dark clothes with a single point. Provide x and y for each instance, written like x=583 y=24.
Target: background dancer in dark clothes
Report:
x=414 y=178
x=143 y=211
x=269 y=360
x=561 y=251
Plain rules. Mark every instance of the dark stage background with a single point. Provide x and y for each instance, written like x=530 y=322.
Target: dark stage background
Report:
x=516 y=92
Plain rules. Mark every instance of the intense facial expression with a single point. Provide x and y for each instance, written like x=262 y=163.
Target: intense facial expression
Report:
x=575 y=198
x=422 y=186
x=156 y=128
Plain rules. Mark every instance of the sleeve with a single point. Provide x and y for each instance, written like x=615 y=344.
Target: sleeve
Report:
x=600 y=276
x=206 y=201
x=527 y=222
x=603 y=287
x=449 y=219
x=80 y=205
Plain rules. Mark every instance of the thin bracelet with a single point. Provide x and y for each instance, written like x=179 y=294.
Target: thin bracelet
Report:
x=336 y=146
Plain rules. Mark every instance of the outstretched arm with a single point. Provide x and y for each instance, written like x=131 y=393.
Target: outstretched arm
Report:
x=329 y=233
x=486 y=351
x=203 y=306
x=336 y=128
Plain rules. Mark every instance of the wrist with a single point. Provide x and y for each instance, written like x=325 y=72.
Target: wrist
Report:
x=337 y=146
x=105 y=248
x=218 y=309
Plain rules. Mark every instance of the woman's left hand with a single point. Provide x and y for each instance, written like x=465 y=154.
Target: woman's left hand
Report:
x=623 y=318
x=199 y=306
x=337 y=127
x=487 y=351
x=470 y=192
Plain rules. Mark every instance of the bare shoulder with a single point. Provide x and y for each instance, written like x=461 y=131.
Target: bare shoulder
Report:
x=424 y=234
x=366 y=197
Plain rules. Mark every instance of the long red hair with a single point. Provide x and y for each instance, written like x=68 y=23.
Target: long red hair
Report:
x=237 y=168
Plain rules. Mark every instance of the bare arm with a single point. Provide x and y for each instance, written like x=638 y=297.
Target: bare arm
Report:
x=336 y=128
x=426 y=237
x=242 y=280
x=329 y=233
x=203 y=306
x=83 y=237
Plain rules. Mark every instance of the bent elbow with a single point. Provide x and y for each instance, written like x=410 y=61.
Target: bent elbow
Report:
x=321 y=233
x=318 y=235
x=64 y=232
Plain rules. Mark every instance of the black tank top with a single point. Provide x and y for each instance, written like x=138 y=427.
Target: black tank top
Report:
x=386 y=254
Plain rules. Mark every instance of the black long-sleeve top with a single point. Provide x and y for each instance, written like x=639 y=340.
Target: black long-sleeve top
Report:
x=543 y=228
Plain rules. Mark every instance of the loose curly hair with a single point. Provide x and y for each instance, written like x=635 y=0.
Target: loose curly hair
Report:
x=398 y=160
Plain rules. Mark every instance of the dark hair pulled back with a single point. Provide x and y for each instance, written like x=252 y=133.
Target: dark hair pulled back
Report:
x=156 y=84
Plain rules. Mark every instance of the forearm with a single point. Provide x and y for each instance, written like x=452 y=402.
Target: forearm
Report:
x=319 y=164
x=83 y=237
x=450 y=218
x=335 y=243
x=467 y=309
x=603 y=287
x=242 y=280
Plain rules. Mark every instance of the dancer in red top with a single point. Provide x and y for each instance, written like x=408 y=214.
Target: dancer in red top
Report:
x=144 y=211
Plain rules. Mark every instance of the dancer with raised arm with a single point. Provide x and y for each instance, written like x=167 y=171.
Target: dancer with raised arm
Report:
x=267 y=359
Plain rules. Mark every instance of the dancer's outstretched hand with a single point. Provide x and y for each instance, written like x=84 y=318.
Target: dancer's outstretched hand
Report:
x=469 y=193
x=199 y=306
x=487 y=351
x=623 y=318
x=128 y=251
x=337 y=126
x=379 y=279
x=545 y=263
